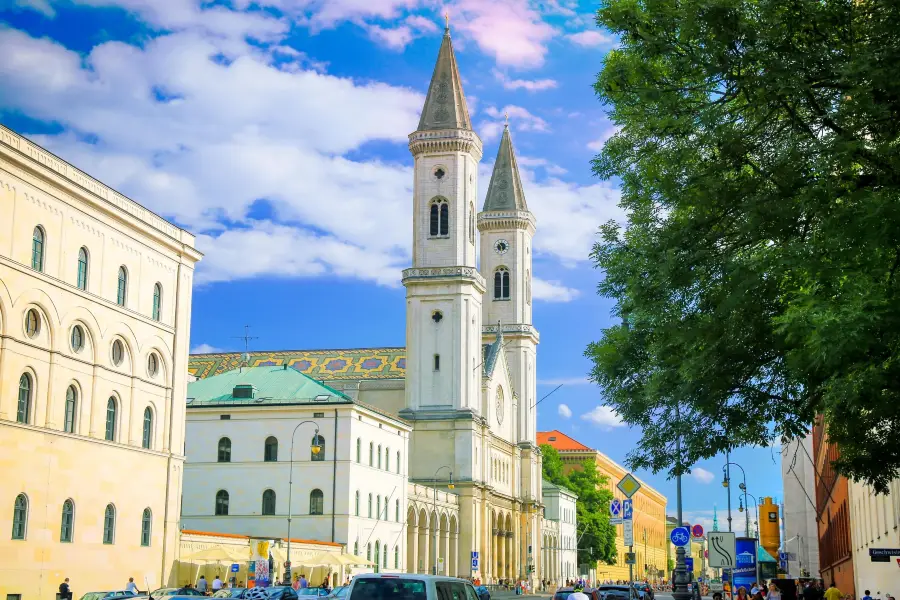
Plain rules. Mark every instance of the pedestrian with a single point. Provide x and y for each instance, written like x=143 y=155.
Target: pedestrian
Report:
x=754 y=589
x=131 y=588
x=867 y=596
x=217 y=584
x=303 y=582
x=296 y=583
x=202 y=585
x=742 y=594
x=832 y=593
x=64 y=592
x=774 y=592
x=578 y=593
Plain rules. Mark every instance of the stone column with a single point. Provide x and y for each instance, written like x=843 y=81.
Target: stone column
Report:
x=446 y=552
x=412 y=562
x=494 y=563
x=424 y=549
x=454 y=555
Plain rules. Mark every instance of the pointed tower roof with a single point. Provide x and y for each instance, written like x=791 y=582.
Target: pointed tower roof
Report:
x=445 y=106
x=505 y=191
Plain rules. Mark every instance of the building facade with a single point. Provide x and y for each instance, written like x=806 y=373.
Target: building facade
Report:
x=801 y=537
x=95 y=306
x=833 y=515
x=466 y=380
x=559 y=507
x=650 y=539
x=874 y=523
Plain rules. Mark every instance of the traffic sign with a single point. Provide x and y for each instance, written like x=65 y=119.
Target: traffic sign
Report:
x=236 y=567
x=630 y=558
x=697 y=531
x=616 y=520
x=689 y=563
x=629 y=532
x=628 y=485
x=615 y=507
x=722 y=549
x=680 y=536
x=628 y=509
x=474 y=564
x=475 y=555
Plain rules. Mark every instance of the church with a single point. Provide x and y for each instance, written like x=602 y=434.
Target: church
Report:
x=459 y=399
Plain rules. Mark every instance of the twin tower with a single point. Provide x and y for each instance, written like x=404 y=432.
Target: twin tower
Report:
x=454 y=309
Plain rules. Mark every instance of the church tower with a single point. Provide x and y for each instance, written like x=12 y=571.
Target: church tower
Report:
x=444 y=289
x=507 y=228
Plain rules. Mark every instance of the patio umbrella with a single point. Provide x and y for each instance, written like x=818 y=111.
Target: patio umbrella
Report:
x=354 y=560
x=218 y=554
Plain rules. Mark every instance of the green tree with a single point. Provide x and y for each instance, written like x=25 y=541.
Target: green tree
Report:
x=596 y=536
x=758 y=149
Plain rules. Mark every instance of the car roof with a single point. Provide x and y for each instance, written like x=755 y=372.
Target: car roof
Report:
x=408 y=576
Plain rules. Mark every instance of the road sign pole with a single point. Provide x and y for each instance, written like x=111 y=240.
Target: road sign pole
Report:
x=631 y=573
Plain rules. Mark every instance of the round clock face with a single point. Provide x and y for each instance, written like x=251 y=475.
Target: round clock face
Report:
x=501 y=247
x=499 y=411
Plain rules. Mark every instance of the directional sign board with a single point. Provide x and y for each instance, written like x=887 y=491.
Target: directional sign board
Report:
x=628 y=509
x=615 y=507
x=630 y=558
x=722 y=551
x=628 y=485
x=235 y=568
x=629 y=532
x=616 y=520
x=680 y=536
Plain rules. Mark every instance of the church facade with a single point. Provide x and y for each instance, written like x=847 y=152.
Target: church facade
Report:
x=466 y=381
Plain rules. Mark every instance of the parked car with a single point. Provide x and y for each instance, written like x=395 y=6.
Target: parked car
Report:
x=106 y=595
x=230 y=593
x=483 y=593
x=399 y=586
x=285 y=592
x=312 y=591
x=646 y=588
x=160 y=593
x=617 y=592
x=339 y=593
x=563 y=593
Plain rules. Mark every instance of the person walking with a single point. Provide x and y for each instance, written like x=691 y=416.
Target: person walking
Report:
x=131 y=587
x=774 y=592
x=832 y=593
x=867 y=596
x=64 y=592
x=217 y=584
x=202 y=585
x=303 y=582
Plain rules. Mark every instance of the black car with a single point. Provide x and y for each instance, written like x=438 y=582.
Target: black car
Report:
x=165 y=592
x=646 y=588
x=283 y=592
x=617 y=592
x=230 y=593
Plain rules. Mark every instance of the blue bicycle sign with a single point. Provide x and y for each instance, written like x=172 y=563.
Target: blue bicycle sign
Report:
x=680 y=536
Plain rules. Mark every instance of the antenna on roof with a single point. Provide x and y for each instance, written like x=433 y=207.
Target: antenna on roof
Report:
x=245 y=357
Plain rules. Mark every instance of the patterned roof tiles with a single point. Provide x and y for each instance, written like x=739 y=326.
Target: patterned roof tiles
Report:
x=323 y=365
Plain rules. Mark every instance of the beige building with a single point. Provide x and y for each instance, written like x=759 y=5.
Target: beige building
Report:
x=95 y=304
x=874 y=524
x=650 y=540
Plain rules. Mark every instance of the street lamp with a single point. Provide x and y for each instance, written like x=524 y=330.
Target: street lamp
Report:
x=756 y=523
x=743 y=487
x=315 y=448
x=449 y=486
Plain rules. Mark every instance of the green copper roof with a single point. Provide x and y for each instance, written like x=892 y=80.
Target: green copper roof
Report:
x=270 y=385
x=505 y=192
x=445 y=106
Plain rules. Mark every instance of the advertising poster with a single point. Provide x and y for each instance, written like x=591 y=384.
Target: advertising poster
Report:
x=745 y=571
x=259 y=554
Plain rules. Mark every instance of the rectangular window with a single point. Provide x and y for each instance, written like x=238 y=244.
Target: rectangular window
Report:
x=224 y=417
x=437 y=362
x=318 y=415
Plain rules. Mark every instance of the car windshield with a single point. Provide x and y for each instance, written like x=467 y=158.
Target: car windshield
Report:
x=310 y=591
x=95 y=595
x=229 y=593
x=340 y=591
x=388 y=589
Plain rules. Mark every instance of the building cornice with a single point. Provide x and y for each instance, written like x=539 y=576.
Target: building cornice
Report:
x=445 y=140
x=440 y=275
x=505 y=220
x=513 y=330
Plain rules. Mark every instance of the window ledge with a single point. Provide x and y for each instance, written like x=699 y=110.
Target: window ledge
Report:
x=502 y=299
x=439 y=237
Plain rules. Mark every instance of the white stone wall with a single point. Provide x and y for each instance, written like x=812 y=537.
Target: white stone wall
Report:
x=800 y=531
x=874 y=523
x=560 y=507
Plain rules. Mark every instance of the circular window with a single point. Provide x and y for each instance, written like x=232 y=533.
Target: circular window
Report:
x=439 y=173
x=118 y=352
x=153 y=364
x=77 y=338
x=436 y=316
x=32 y=323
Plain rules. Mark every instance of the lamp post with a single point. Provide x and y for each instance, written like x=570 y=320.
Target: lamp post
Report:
x=449 y=486
x=681 y=580
x=315 y=448
x=743 y=487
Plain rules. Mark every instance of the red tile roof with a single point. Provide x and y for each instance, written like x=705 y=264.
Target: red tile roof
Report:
x=560 y=441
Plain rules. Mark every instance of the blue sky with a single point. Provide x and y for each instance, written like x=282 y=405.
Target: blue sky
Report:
x=276 y=131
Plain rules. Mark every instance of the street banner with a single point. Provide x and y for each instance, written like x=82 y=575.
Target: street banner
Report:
x=259 y=554
x=745 y=571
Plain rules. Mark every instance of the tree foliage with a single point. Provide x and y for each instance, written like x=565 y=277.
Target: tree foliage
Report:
x=757 y=276
x=596 y=536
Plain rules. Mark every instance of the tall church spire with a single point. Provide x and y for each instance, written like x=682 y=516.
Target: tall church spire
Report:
x=505 y=191
x=445 y=106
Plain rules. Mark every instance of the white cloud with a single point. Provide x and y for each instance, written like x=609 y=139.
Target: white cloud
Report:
x=205 y=349
x=41 y=6
x=564 y=411
x=701 y=517
x=397 y=38
x=604 y=417
x=530 y=161
x=591 y=38
x=607 y=131
x=531 y=85
x=702 y=475
x=511 y=31
x=552 y=291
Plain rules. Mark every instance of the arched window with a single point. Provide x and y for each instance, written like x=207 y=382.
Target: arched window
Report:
x=147 y=430
x=377 y=556
x=122 y=288
x=378 y=507
x=371 y=454
x=32 y=323
x=370 y=506
x=224 y=450
x=356 y=548
x=268 y=501
x=77 y=338
x=23 y=410
x=20 y=517
x=387 y=459
x=316 y=502
x=82 y=268
x=439 y=218
x=319 y=441
x=358 y=451
x=146 y=526
x=501 y=284
x=398 y=462
x=369 y=552
x=356 y=512
x=396 y=557
x=67 y=523
x=397 y=510
x=111 y=418
x=71 y=405
x=109 y=524
x=221 y=503
x=379 y=456
x=157 y=301
x=384 y=557
x=471 y=223
x=270 y=452
x=37 y=249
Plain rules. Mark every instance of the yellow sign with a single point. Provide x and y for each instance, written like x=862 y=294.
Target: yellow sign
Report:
x=629 y=485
